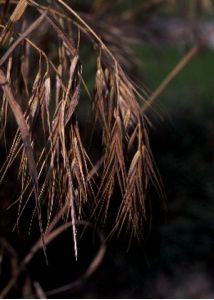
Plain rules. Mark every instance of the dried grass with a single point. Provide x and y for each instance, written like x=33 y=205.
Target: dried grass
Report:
x=53 y=162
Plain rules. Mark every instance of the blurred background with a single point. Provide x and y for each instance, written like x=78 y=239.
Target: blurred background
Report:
x=175 y=257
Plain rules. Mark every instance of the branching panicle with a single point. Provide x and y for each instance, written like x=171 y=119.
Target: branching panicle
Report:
x=53 y=163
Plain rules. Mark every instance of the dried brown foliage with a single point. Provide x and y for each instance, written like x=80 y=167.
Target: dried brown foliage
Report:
x=42 y=88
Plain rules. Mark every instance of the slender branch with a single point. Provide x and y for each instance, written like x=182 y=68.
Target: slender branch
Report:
x=88 y=28
x=49 y=236
x=23 y=36
x=89 y=271
x=179 y=66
